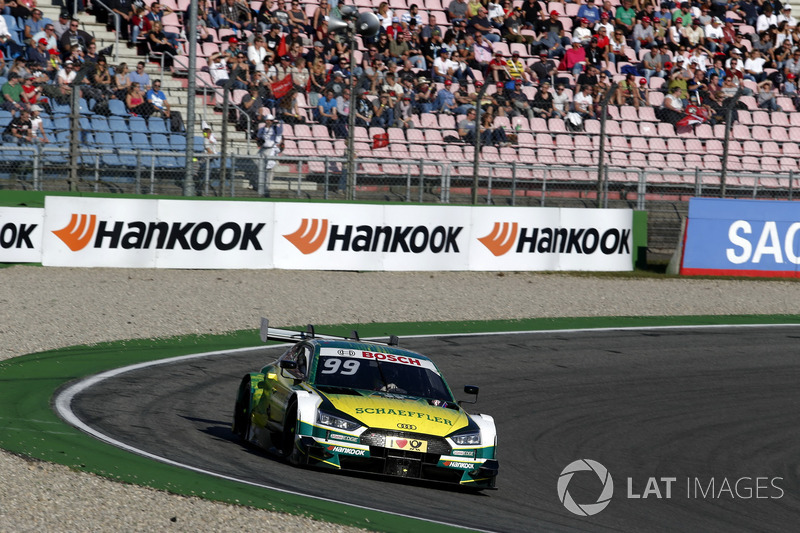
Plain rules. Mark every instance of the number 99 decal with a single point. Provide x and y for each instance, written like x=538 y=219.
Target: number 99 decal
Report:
x=410 y=427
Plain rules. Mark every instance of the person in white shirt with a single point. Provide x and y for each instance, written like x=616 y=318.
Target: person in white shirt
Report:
x=583 y=102
x=714 y=34
x=787 y=16
x=754 y=67
x=766 y=19
x=257 y=52
x=582 y=33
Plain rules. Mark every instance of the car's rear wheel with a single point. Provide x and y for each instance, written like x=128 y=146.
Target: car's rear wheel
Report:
x=241 y=411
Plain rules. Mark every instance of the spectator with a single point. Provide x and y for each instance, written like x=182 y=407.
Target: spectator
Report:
x=236 y=16
x=385 y=15
x=625 y=17
x=140 y=76
x=643 y=35
x=532 y=13
x=590 y=12
x=38 y=54
x=33 y=25
x=694 y=34
x=62 y=24
x=19 y=130
x=382 y=112
x=156 y=14
x=560 y=101
x=122 y=81
x=135 y=102
x=628 y=92
x=754 y=67
x=456 y=11
x=766 y=97
x=299 y=19
x=672 y=110
x=74 y=38
x=766 y=19
x=208 y=14
x=251 y=104
x=583 y=102
x=786 y=16
x=363 y=109
x=12 y=94
x=37 y=125
x=617 y=46
x=445 y=99
x=582 y=32
x=288 y=109
x=218 y=70
x=156 y=97
x=481 y=23
x=159 y=43
x=48 y=34
x=575 y=58
x=123 y=10
x=327 y=115
x=542 y=104
x=512 y=28
x=498 y=70
x=256 y=52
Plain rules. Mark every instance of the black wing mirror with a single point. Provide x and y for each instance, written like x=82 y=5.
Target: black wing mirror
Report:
x=470 y=389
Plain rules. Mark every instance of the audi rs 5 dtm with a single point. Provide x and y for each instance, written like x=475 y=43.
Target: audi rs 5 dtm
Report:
x=346 y=404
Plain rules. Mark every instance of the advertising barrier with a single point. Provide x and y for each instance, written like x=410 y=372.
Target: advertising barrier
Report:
x=742 y=238
x=21 y=234
x=110 y=232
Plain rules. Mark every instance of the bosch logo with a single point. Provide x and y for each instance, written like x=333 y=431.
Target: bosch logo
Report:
x=587 y=509
x=410 y=427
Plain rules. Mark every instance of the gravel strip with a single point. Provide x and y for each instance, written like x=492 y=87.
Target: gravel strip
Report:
x=45 y=308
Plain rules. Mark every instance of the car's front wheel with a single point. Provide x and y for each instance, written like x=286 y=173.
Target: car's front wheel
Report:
x=241 y=411
x=289 y=433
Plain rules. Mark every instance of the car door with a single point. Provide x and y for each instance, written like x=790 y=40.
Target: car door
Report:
x=287 y=380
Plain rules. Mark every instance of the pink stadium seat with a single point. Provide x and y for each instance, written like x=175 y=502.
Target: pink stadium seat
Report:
x=658 y=144
x=527 y=155
x=714 y=146
x=628 y=112
x=752 y=148
x=540 y=124
x=780 y=119
x=751 y=164
x=591 y=126
x=637 y=159
x=556 y=125
x=546 y=156
x=564 y=157
x=791 y=149
x=544 y=140
x=630 y=128
x=619 y=143
x=712 y=162
x=585 y=157
x=787 y=104
x=522 y=122
x=675 y=145
x=749 y=118
x=639 y=144
x=740 y=132
x=788 y=164
x=695 y=146
x=648 y=129
x=525 y=139
x=613 y=127
x=565 y=141
x=666 y=130
x=769 y=164
x=704 y=131
x=583 y=141
x=779 y=134
x=428 y=120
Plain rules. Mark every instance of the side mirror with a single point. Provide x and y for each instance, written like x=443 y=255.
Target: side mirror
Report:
x=288 y=365
x=470 y=389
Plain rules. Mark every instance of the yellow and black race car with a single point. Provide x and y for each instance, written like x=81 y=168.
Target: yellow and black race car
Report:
x=350 y=404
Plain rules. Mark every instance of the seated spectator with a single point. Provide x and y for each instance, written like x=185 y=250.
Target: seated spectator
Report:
x=560 y=101
x=33 y=25
x=12 y=94
x=136 y=104
x=236 y=16
x=672 y=109
x=74 y=38
x=643 y=35
x=288 y=109
x=218 y=69
x=542 y=103
x=766 y=97
x=481 y=23
x=327 y=115
x=19 y=130
x=299 y=19
x=404 y=113
x=49 y=34
x=617 y=46
x=37 y=125
x=156 y=97
x=382 y=112
x=654 y=62
x=574 y=59
x=628 y=92
x=208 y=14
x=513 y=26
x=583 y=102
x=445 y=99
x=159 y=43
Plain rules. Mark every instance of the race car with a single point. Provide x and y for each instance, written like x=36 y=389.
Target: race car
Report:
x=359 y=405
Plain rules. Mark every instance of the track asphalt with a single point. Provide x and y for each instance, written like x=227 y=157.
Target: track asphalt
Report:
x=697 y=427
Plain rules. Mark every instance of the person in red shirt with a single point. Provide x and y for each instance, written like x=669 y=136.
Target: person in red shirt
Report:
x=574 y=59
x=497 y=68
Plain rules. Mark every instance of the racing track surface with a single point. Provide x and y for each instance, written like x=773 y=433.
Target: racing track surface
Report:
x=704 y=405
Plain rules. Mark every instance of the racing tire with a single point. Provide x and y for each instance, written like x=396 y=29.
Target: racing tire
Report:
x=241 y=411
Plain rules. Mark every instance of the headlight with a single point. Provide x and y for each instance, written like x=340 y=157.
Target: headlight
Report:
x=325 y=419
x=467 y=439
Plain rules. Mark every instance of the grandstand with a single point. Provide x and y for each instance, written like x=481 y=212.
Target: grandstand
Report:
x=544 y=154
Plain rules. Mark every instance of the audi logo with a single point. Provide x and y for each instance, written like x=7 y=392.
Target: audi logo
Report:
x=410 y=427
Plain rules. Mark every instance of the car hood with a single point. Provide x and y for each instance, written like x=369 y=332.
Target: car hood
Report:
x=400 y=413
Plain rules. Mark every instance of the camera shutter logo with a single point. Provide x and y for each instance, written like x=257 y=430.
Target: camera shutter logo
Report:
x=587 y=509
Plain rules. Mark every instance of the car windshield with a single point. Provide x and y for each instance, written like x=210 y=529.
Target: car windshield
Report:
x=384 y=376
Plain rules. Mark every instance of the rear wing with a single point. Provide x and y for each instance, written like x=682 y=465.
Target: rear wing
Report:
x=288 y=335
